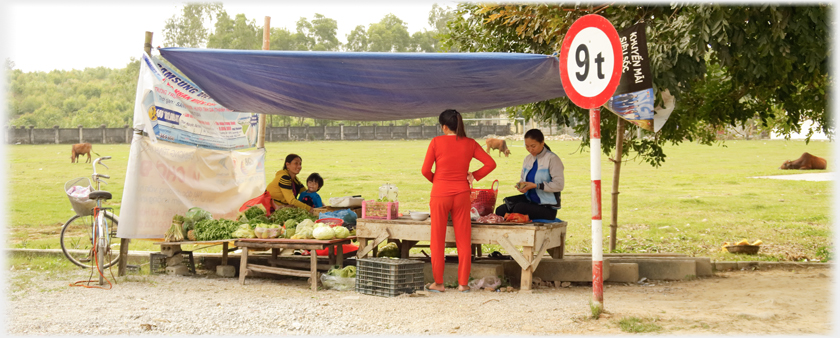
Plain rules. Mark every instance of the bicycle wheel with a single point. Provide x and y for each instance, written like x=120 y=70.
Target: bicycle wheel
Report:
x=77 y=241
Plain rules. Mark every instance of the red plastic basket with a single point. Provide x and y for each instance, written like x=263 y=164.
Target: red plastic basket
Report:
x=332 y=222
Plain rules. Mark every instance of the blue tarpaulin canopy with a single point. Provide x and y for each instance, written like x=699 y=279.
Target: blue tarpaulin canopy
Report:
x=367 y=86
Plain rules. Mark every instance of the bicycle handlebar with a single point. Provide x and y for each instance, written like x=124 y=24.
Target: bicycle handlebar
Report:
x=95 y=175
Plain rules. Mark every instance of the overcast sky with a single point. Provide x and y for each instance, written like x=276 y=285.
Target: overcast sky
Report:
x=48 y=35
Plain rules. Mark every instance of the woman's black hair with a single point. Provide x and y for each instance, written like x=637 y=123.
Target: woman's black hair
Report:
x=289 y=159
x=537 y=135
x=451 y=118
x=317 y=179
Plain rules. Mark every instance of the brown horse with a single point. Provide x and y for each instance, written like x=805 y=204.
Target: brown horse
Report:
x=81 y=149
x=501 y=145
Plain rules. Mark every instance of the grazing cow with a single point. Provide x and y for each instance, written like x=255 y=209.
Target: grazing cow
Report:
x=493 y=143
x=806 y=161
x=81 y=149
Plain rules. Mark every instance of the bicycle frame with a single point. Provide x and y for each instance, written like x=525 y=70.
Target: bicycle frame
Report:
x=99 y=229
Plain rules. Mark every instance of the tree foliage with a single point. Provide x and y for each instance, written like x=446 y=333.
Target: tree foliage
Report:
x=188 y=30
x=726 y=65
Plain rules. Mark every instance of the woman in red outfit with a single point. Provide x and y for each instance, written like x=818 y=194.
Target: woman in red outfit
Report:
x=451 y=154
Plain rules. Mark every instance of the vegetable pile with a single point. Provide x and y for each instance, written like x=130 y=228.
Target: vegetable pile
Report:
x=199 y=225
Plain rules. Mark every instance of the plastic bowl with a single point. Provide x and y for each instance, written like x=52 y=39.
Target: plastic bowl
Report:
x=744 y=249
x=332 y=222
x=419 y=216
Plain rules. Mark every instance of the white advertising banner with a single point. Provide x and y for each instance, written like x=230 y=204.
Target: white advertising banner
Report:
x=170 y=107
x=164 y=179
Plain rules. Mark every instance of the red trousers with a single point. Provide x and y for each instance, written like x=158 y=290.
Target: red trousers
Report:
x=441 y=207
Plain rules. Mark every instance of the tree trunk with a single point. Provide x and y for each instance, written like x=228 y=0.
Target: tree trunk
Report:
x=619 y=145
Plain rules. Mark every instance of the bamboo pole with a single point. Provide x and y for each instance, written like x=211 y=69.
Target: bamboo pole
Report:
x=265 y=46
x=124 y=242
x=619 y=147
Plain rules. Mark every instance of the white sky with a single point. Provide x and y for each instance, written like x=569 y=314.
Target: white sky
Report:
x=48 y=35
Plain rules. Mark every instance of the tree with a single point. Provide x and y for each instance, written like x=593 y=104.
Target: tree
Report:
x=357 y=40
x=389 y=35
x=188 y=29
x=724 y=64
x=10 y=65
x=238 y=33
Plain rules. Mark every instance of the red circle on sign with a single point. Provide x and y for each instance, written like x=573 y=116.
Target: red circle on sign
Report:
x=604 y=25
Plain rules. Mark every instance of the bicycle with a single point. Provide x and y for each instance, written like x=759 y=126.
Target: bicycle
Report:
x=86 y=237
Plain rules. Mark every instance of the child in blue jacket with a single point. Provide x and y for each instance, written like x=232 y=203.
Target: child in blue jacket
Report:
x=310 y=197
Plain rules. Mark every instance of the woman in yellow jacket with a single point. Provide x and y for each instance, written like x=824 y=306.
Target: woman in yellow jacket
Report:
x=285 y=187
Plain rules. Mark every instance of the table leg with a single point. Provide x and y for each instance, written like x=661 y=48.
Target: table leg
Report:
x=243 y=265
x=313 y=269
x=331 y=254
x=224 y=253
x=405 y=251
x=557 y=252
x=363 y=242
x=527 y=274
x=121 y=268
x=340 y=255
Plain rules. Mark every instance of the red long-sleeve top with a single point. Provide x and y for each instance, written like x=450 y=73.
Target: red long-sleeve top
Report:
x=451 y=156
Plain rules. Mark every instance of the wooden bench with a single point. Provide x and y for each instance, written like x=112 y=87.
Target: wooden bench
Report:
x=534 y=238
x=336 y=255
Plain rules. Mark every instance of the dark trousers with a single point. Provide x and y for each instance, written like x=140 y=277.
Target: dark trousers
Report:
x=521 y=205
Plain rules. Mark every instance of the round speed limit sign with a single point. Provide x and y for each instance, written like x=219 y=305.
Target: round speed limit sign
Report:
x=590 y=61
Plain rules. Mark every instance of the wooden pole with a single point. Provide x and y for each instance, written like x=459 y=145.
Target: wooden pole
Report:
x=124 y=242
x=261 y=121
x=619 y=147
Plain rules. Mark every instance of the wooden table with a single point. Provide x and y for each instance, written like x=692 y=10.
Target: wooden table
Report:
x=336 y=255
x=223 y=242
x=534 y=238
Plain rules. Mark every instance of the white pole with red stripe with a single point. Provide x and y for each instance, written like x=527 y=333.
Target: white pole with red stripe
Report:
x=590 y=70
x=597 y=231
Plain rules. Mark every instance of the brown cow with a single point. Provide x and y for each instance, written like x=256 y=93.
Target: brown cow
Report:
x=493 y=143
x=80 y=149
x=806 y=161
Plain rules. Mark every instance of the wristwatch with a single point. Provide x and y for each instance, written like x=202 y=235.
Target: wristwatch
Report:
x=542 y=186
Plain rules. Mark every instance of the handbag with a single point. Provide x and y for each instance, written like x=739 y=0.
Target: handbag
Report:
x=484 y=200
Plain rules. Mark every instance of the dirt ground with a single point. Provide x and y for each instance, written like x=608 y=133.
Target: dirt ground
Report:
x=771 y=302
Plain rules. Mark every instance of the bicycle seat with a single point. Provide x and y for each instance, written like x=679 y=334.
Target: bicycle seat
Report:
x=99 y=195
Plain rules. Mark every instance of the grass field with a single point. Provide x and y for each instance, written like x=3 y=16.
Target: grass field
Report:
x=700 y=198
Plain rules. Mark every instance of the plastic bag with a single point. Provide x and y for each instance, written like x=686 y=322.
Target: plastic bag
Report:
x=346 y=215
x=474 y=215
x=492 y=282
x=196 y=214
x=338 y=283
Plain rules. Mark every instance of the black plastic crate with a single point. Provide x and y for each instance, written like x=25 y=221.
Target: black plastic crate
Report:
x=388 y=277
x=157 y=262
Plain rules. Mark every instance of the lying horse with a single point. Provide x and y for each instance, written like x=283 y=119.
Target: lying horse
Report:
x=81 y=149
x=806 y=161
x=493 y=143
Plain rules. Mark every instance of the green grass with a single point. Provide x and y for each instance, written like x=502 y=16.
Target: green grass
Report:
x=637 y=325
x=700 y=197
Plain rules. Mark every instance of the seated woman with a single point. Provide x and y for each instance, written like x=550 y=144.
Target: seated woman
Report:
x=540 y=184
x=286 y=186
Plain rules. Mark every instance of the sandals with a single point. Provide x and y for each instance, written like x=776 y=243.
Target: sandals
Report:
x=426 y=288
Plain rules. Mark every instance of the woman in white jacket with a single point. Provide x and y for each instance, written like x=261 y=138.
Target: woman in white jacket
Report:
x=540 y=183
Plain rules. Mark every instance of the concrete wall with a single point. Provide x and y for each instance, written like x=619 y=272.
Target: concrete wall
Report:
x=28 y=135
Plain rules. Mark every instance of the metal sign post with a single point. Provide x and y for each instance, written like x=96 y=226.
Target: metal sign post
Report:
x=590 y=77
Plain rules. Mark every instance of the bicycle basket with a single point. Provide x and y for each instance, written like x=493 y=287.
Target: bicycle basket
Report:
x=81 y=205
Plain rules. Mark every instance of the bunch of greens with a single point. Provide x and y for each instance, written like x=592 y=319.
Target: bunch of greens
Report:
x=282 y=215
x=212 y=230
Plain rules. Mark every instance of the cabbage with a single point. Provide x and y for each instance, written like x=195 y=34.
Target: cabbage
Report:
x=341 y=232
x=306 y=222
x=290 y=223
x=320 y=225
x=289 y=232
x=348 y=272
x=303 y=233
x=323 y=233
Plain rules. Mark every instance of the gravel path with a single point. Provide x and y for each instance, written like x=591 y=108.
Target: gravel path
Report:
x=43 y=303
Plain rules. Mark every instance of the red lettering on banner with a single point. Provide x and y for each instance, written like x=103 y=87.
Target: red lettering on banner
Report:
x=145 y=167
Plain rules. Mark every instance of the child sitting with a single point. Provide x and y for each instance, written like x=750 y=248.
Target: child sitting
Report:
x=310 y=197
